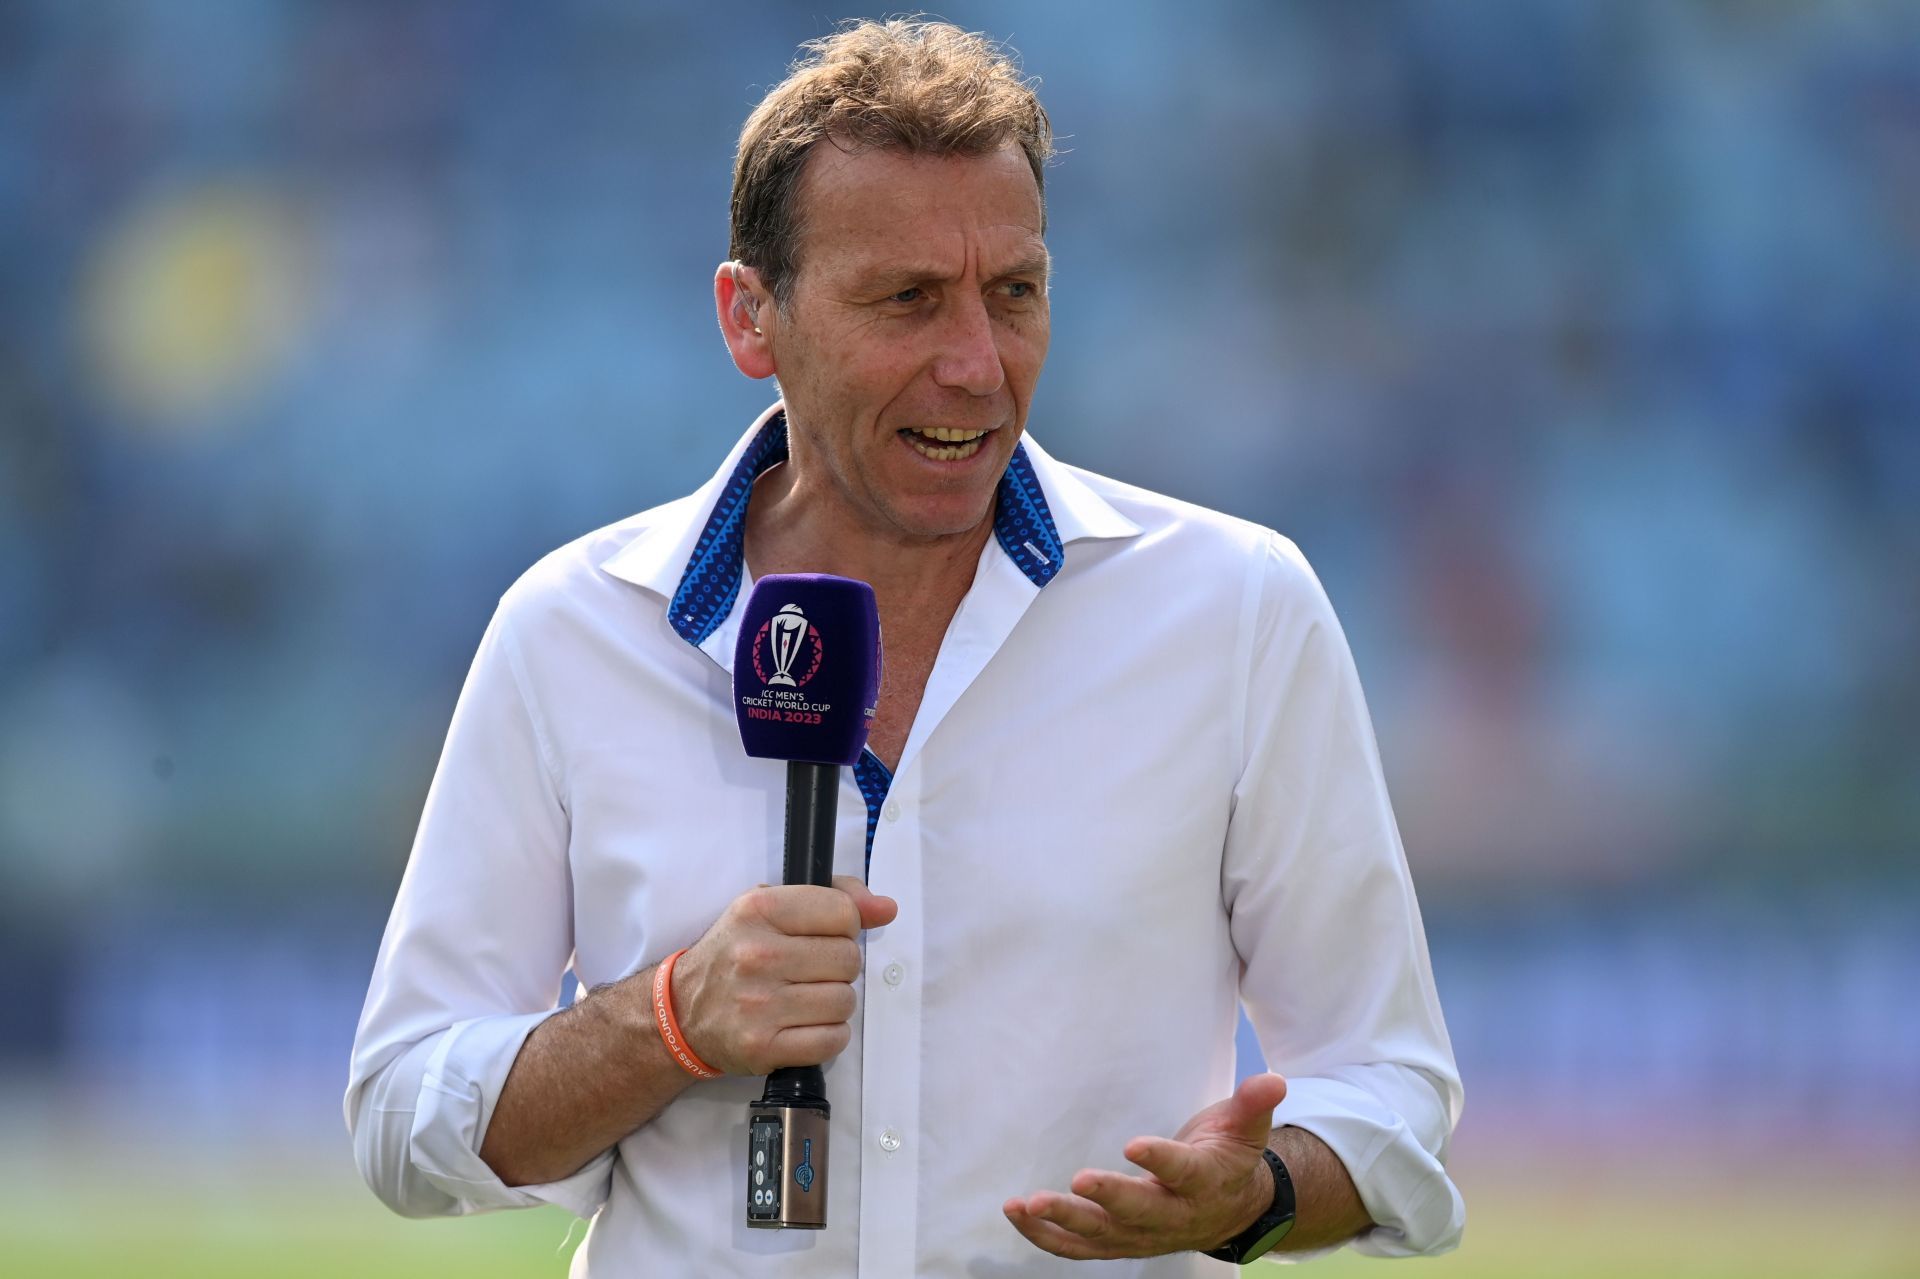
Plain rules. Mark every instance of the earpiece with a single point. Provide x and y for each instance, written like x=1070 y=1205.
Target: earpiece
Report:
x=745 y=298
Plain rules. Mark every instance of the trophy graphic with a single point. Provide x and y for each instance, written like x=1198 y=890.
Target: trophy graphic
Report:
x=785 y=630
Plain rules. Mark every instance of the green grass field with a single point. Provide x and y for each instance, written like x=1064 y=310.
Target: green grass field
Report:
x=147 y=1214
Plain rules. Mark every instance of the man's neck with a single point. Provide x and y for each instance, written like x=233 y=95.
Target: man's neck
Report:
x=785 y=533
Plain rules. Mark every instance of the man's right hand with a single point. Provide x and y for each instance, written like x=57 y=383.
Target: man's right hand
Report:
x=771 y=983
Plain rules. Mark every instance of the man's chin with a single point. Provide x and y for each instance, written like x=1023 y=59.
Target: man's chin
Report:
x=938 y=519
x=933 y=510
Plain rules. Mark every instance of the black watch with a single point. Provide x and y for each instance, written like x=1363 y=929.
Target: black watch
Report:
x=1259 y=1239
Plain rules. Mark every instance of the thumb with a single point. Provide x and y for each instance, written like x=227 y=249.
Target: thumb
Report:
x=875 y=910
x=1249 y=1112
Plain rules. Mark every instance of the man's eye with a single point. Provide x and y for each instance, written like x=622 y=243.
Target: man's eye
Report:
x=906 y=296
x=1019 y=290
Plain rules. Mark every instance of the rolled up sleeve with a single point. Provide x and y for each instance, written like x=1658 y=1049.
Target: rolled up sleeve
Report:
x=472 y=960
x=1388 y=1124
x=1337 y=980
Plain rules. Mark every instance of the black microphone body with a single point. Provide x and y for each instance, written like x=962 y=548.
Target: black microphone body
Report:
x=796 y=705
x=813 y=802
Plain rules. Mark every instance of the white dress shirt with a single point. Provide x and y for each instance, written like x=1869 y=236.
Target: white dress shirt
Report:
x=1141 y=789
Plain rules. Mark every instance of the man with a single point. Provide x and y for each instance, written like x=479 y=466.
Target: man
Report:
x=1120 y=780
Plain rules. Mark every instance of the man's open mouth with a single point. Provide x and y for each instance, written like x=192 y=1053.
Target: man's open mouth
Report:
x=944 y=444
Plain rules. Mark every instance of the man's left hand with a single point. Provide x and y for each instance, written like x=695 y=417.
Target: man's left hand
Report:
x=1203 y=1186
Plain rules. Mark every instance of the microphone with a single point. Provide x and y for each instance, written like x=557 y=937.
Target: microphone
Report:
x=806 y=680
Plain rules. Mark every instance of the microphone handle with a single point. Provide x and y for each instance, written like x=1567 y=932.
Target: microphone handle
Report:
x=813 y=800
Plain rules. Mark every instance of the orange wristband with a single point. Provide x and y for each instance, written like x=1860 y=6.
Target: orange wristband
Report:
x=669 y=1027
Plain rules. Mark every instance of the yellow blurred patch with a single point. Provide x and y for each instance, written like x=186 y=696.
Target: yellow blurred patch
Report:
x=192 y=303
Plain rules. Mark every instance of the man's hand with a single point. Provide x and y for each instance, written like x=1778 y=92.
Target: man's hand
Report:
x=770 y=984
x=1203 y=1186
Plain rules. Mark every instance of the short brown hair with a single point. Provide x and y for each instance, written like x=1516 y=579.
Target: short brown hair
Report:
x=925 y=87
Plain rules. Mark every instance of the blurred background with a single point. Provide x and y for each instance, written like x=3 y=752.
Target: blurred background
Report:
x=1577 y=342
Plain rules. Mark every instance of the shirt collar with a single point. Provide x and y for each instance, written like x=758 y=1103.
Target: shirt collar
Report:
x=693 y=551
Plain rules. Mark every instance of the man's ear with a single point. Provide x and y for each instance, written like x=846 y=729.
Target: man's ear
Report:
x=739 y=301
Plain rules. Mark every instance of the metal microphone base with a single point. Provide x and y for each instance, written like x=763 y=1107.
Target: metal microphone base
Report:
x=787 y=1166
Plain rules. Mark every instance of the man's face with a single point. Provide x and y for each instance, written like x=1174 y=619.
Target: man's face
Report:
x=919 y=311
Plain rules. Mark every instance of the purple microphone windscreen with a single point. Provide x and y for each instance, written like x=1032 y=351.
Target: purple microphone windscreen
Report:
x=806 y=668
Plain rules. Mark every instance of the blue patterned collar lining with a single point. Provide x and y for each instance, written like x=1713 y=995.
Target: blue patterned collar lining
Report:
x=1021 y=522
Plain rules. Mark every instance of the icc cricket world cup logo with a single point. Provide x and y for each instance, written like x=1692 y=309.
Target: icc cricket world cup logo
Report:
x=785 y=630
x=784 y=637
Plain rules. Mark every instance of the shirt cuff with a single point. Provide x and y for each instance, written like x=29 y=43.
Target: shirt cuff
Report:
x=1403 y=1185
x=458 y=1089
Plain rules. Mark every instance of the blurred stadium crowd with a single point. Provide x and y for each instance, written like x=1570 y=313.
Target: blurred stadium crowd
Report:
x=1577 y=343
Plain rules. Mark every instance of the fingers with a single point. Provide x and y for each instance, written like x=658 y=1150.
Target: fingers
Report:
x=1245 y=1118
x=1251 y=1106
x=797 y=959
x=800 y=1025
x=1128 y=1201
x=1038 y=1218
x=1084 y=1227
x=875 y=910
x=808 y=910
x=805 y=910
x=1071 y=1213
x=1241 y=1123
x=1175 y=1163
x=1111 y=1214
x=803 y=1046
x=824 y=1003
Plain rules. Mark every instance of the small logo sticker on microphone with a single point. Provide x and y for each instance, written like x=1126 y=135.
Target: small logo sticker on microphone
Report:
x=804 y=1173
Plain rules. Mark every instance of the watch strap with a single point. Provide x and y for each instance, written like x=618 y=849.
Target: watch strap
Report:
x=1259 y=1238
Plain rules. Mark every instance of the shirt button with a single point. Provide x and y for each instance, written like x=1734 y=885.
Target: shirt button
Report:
x=889 y=1140
x=892 y=810
x=894 y=974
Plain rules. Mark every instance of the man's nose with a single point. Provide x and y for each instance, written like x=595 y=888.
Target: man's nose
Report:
x=969 y=358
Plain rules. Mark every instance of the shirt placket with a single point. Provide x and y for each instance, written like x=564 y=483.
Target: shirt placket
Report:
x=890 y=1041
